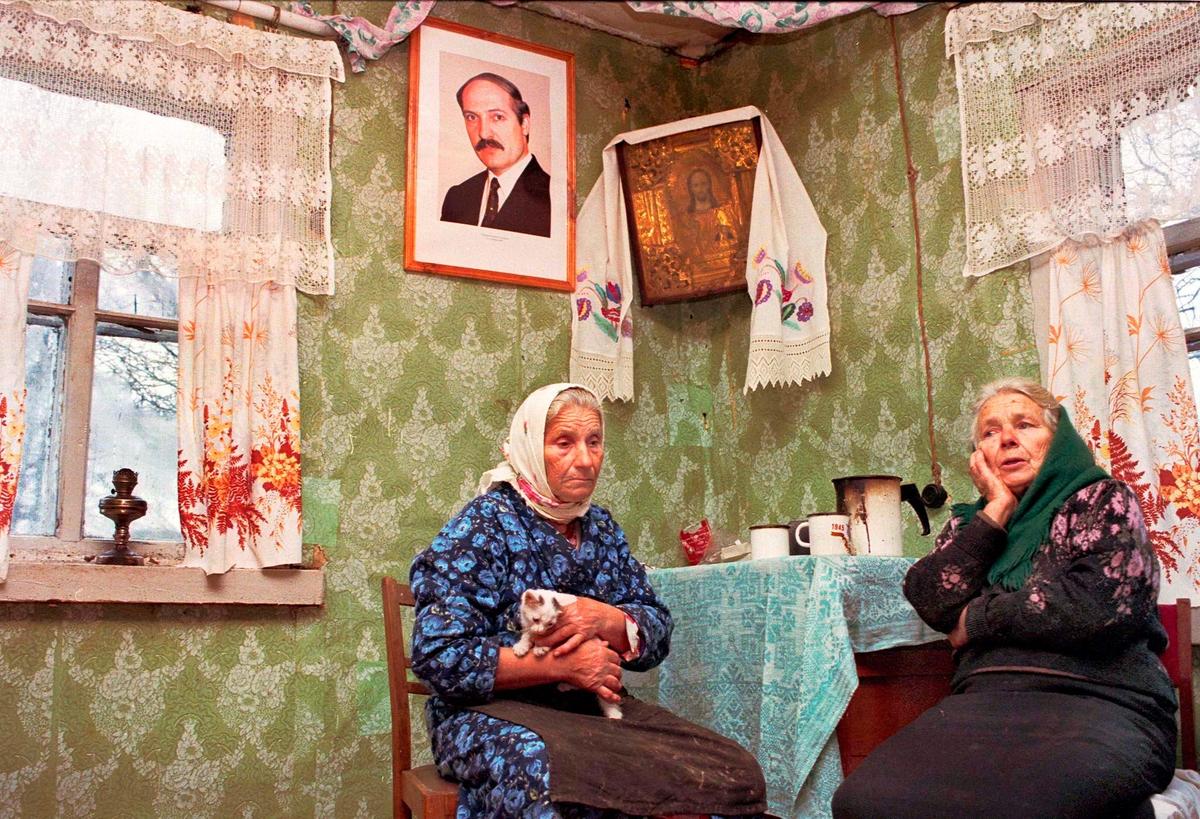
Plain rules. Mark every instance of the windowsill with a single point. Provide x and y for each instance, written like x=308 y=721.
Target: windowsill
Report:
x=78 y=582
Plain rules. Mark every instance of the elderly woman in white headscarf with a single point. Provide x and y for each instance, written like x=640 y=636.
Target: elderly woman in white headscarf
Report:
x=498 y=722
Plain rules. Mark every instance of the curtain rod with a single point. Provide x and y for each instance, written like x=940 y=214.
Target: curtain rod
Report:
x=277 y=15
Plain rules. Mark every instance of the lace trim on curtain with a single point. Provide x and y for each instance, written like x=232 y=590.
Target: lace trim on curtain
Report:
x=131 y=245
x=142 y=153
x=153 y=22
x=1045 y=112
x=983 y=20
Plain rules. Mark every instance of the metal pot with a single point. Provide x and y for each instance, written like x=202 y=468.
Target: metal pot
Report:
x=873 y=504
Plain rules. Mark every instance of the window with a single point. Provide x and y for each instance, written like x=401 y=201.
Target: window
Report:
x=101 y=363
x=101 y=348
x=170 y=149
x=1183 y=248
x=1160 y=160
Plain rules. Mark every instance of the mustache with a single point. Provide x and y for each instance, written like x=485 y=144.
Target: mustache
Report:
x=488 y=143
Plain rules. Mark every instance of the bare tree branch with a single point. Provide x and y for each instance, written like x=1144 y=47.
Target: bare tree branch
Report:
x=149 y=369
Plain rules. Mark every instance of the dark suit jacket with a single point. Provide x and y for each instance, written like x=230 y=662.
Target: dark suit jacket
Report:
x=526 y=210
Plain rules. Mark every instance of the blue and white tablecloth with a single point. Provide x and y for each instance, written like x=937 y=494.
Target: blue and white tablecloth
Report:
x=763 y=652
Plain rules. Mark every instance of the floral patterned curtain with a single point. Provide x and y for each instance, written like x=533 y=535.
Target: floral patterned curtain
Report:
x=239 y=425
x=14 y=293
x=765 y=17
x=1113 y=352
x=367 y=41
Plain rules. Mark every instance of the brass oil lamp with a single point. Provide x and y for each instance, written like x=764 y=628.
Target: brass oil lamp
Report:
x=122 y=507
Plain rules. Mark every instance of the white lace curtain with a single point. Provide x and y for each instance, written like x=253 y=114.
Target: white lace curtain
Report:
x=1052 y=97
x=227 y=128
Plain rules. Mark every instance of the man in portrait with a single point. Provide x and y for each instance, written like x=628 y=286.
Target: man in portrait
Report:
x=513 y=192
x=710 y=224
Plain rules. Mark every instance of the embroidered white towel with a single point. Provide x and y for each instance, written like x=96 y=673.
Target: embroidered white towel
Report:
x=785 y=272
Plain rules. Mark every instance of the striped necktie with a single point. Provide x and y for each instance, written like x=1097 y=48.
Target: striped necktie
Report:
x=493 y=204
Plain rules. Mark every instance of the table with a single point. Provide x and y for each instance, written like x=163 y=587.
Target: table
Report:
x=763 y=652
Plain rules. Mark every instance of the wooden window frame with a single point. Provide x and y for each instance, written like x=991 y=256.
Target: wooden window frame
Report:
x=1183 y=253
x=81 y=316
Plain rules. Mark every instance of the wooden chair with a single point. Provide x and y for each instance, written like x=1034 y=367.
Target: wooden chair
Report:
x=897 y=685
x=1177 y=659
x=416 y=792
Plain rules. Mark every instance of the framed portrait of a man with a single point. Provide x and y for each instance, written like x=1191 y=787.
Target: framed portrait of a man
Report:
x=490 y=191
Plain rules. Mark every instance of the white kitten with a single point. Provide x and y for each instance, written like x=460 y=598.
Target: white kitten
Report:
x=539 y=614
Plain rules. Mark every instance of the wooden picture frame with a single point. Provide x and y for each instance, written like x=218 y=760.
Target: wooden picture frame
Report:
x=529 y=235
x=688 y=198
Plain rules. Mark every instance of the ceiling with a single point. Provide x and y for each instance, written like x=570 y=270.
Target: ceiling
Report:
x=685 y=36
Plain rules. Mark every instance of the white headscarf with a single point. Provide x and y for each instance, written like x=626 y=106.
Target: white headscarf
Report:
x=524 y=464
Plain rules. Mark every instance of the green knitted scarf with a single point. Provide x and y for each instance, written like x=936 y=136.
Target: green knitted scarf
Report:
x=1067 y=468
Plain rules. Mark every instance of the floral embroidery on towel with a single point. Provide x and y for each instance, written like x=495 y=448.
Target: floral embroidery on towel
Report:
x=794 y=307
x=608 y=317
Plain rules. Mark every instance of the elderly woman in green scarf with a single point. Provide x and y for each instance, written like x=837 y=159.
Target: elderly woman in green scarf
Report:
x=1047 y=587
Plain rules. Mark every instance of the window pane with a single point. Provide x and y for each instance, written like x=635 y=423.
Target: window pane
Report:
x=107 y=158
x=51 y=281
x=1160 y=161
x=142 y=293
x=1194 y=367
x=1187 y=294
x=133 y=425
x=36 y=512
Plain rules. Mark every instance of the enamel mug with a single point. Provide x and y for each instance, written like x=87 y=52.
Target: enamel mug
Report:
x=768 y=540
x=828 y=534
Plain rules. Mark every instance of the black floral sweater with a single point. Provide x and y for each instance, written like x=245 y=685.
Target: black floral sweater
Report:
x=1087 y=611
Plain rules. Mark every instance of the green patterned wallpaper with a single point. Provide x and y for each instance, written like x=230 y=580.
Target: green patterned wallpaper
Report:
x=407 y=385
x=831 y=95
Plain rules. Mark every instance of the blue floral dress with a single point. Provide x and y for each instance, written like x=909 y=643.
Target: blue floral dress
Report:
x=468 y=586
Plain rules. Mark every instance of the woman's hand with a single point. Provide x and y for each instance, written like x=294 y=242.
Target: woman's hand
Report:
x=958 y=637
x=595 y=667
x=583 y=620
x=1001 y=502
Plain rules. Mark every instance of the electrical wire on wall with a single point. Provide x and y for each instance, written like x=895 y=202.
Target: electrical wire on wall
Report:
x=934 y=494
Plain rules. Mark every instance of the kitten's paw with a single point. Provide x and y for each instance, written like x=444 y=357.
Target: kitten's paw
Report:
x=610 y=709
x=541 y=651
x=521 y=648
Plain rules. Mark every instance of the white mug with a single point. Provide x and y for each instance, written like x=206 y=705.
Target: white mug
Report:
x=768 y=540
x=828 y=534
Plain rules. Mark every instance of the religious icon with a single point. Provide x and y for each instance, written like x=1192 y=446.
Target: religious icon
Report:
x=688 y=198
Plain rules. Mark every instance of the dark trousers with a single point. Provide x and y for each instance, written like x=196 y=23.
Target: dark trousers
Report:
x=1019 y=745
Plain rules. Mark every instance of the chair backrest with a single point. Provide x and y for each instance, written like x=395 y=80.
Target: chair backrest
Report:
x=1177 y=660
x=400 y=686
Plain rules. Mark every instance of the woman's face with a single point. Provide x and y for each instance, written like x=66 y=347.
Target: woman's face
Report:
x=574 y=451
x=1013 y=437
